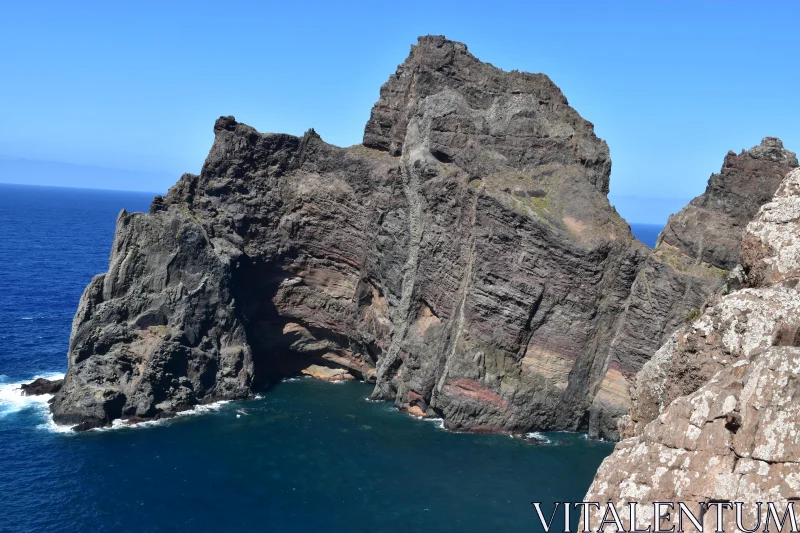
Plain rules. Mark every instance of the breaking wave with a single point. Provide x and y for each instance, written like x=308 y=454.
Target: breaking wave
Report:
x=535 y=435
x=12 y=401
x=438 y=422
x=124 y=424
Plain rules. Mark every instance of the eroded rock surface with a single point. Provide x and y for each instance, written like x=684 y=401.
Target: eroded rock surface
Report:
x=41 y=386
x=689 y=266
x=771 y=247
x=157 y=333
x=465 y=259
x=716 y=411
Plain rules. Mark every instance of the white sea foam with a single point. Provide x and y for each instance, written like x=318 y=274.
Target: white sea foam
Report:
x=196 y=410
x=535 y=435
x=52 y=427
x=438 y=422
x=12 y=400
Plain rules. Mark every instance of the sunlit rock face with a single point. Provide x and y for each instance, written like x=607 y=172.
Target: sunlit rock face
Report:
x=690 y=266
x=716 y=412
x=465 y=259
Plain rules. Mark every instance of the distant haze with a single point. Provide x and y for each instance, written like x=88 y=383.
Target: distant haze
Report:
x=671 y=86
x=55 y=174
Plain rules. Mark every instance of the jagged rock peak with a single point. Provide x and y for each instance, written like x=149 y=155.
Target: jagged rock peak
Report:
x=225 y=124
x=709 y=229
x=771 y=149
x=465 y=260
x=480 y=116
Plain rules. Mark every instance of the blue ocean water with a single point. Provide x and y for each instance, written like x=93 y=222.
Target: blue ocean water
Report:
x=647 y=233
x=307 y=456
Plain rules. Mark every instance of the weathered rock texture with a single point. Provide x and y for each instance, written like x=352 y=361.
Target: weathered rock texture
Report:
x=41 y=386
x=690 y=264
x=716 y=413
x=465 y=259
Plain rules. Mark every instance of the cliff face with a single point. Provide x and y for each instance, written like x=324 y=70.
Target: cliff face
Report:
x=690 y=264
x=716 y=413
x=464 y=259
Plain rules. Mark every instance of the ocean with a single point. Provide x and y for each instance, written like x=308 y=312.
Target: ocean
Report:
x=303 y=456
x=647 y=233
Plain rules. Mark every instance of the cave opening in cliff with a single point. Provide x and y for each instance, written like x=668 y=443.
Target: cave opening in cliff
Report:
x=284 y=344
x=255 y=285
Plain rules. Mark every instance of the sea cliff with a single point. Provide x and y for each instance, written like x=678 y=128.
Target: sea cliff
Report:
x=716 y=412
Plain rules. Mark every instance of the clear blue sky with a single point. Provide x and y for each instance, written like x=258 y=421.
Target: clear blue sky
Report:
x=135 y=87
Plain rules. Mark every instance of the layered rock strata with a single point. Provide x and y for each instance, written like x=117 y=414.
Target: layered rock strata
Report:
x=465 y=259
x=716 y=413
x=690 y=265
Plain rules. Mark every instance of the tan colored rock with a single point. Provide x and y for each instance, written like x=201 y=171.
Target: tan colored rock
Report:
x=415 y=410
x=740 y=325
x=327 y=374
x=771 y=244
x=737 y=438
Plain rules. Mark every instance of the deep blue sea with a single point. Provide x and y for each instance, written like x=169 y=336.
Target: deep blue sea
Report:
x=307 y=455
x=647 y=233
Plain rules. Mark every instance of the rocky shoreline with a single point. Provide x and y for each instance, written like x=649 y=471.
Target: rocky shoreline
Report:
x=438 y=260
x=466 y=261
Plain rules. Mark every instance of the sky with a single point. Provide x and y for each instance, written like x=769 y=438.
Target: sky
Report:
x=123 y=95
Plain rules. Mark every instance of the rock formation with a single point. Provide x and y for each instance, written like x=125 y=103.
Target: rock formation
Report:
x=690 y=264
x=465 y=259
x=716 y=413
x=41 y=386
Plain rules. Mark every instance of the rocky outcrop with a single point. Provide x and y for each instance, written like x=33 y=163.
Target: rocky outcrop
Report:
x=159 y=332
x=709 y=229
x=41 y=386
x=465 y=259
x=325 y=373
x=689 y=266
x=715 y=413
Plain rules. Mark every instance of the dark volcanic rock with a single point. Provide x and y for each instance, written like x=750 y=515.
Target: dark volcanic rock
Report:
x=465 y=259
x=688 y=267
x=709 y=229
x=41 y=386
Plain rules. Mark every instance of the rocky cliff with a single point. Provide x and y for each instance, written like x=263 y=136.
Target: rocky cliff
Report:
x=465 y=259
x=690 y=265
x=716 y=413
